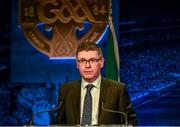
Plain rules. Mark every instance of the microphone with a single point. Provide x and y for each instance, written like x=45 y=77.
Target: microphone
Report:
x=48 y=110
x=118 y=112
x=61 y=100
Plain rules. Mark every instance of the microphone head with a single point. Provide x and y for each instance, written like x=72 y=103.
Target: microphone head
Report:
x=102 y=100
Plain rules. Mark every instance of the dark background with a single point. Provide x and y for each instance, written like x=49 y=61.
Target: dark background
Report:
x=149 y=35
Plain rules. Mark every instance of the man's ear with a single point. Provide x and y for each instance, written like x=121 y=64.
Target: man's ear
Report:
x=77 y=65
x=102 y=62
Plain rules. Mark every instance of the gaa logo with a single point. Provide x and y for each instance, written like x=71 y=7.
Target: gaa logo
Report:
x=56 y=27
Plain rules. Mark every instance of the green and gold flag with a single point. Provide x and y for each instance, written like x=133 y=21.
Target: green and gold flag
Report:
x=112 y=66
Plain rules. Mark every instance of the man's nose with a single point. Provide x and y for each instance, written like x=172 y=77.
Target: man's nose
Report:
x=88 y=64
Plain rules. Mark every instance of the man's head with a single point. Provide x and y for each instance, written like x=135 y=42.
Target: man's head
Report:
x=90 y=60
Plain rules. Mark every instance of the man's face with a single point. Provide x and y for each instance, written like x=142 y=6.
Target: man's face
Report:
x=89 y=64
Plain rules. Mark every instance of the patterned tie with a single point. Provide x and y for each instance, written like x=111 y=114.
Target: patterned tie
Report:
x=87 y=110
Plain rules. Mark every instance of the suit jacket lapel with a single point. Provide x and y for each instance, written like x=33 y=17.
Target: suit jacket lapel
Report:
x=76 y=98
x=103 y=89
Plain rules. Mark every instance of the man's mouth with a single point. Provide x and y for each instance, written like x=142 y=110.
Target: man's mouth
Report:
x=87 y=72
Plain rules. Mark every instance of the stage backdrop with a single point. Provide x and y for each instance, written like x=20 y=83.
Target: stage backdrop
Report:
x=28 y=65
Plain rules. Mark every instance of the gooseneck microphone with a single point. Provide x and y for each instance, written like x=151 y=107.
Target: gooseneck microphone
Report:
x=48 y=110
x=119 y=112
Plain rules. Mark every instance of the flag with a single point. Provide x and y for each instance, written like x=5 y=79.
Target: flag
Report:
x=112 y=63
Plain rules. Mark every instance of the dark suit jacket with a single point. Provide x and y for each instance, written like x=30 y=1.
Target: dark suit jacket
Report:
x=113 y=95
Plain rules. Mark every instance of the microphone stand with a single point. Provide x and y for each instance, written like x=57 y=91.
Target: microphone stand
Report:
x=119 y=112
x=48 y=110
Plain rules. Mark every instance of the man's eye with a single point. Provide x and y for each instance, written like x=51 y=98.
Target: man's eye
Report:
x=92 y=60
x=82 y=61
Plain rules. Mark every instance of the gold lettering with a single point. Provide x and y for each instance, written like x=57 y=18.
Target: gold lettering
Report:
x=93 y=37
x=58 y=13
x=40 y=11
x=29 y=12
x=102 y=10
x=36 y=40
x=25 y=12
x=99 y=10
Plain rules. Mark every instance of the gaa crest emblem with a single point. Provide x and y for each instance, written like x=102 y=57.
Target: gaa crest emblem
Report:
x=56 y=27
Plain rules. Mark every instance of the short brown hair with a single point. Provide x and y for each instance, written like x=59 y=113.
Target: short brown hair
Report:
x=89 y=46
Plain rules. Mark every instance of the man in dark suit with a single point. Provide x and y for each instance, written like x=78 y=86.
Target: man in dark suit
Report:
x=105 y=98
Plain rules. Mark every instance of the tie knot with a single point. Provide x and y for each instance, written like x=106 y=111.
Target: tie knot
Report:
x=89 y=87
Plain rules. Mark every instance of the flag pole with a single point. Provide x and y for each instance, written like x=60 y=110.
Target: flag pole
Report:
x=116 y=49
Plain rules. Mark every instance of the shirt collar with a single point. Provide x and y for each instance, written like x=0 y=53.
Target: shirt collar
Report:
x=96 y=83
